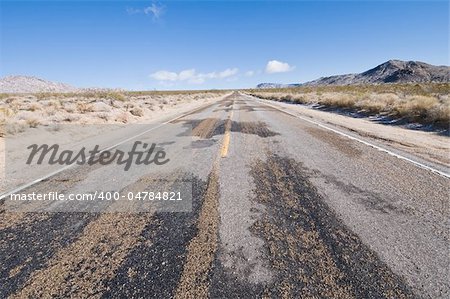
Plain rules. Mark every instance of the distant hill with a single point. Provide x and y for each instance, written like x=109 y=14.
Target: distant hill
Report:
x=392 y=71
x=28 y=84
x=276 y=85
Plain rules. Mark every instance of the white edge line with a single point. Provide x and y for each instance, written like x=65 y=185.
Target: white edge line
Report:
x=421 y=165
x=20 y=188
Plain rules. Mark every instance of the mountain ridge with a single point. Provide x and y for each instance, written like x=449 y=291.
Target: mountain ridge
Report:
x=391 y=71
x=31 y=84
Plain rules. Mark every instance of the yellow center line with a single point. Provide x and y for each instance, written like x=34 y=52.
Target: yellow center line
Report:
x=194 y=280
x=226 y=137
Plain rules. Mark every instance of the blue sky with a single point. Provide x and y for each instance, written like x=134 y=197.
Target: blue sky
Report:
x=214 y=44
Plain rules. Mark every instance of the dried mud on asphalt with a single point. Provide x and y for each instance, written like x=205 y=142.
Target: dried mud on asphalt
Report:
x=313 y=253
x=93 y=255
x=195 y=278
x=27 y=247
x=29 y=240
x=153 y=268
x=308 y=250
x=211 y=127
x=344 y=145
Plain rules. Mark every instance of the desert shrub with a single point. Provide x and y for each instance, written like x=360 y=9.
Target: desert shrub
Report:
x=440 y=114
x=415 y=107
x=9 y=100
x=4 y=96
x=12 y=128
x=109 y=95
x=43 y=95
x=34 y=107
x=84 y=107
x=122 y=118
x=377 y=103
x=300 y=99
x=286 y=98
x=6 y=113
x=118 y=96
x=426 y=103
x=55 y=103
x=71 y=118
x=342 y=100
x=32 y=122
x=136 y=111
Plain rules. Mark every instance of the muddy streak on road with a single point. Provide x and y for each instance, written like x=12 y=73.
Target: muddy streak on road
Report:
x=80 y=268
x=312 y=252
x=25 y=248
x=210 y=127
x=153 y=268
x=344 y=145
x=195 y=278
x=205 y=128
x=28 y=240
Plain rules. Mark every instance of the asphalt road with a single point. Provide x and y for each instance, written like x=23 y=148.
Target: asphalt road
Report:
x=281 y=208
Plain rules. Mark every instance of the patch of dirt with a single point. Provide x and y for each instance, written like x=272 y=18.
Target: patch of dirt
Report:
x=205 y=128
x=344 y=145
x=210 y=127
x=255 y=128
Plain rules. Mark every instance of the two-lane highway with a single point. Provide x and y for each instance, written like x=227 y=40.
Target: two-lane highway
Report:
x=281 y=207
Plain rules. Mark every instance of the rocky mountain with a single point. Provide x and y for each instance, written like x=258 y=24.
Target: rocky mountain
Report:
x=392 y=71
x=276 y=85
x=28 y=84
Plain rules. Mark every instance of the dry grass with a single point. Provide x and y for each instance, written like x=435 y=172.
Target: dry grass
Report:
x=122 y=118
x=23 y=111
x=84 y=108
x=32 y=122
x=423 y=103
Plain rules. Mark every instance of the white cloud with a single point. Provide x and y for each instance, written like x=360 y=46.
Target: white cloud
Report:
x=275 y=66
x=186 y=75
x=228 y=73
x=249 y=73
x=165 y=76
x=155 y=10
x=191 y=75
